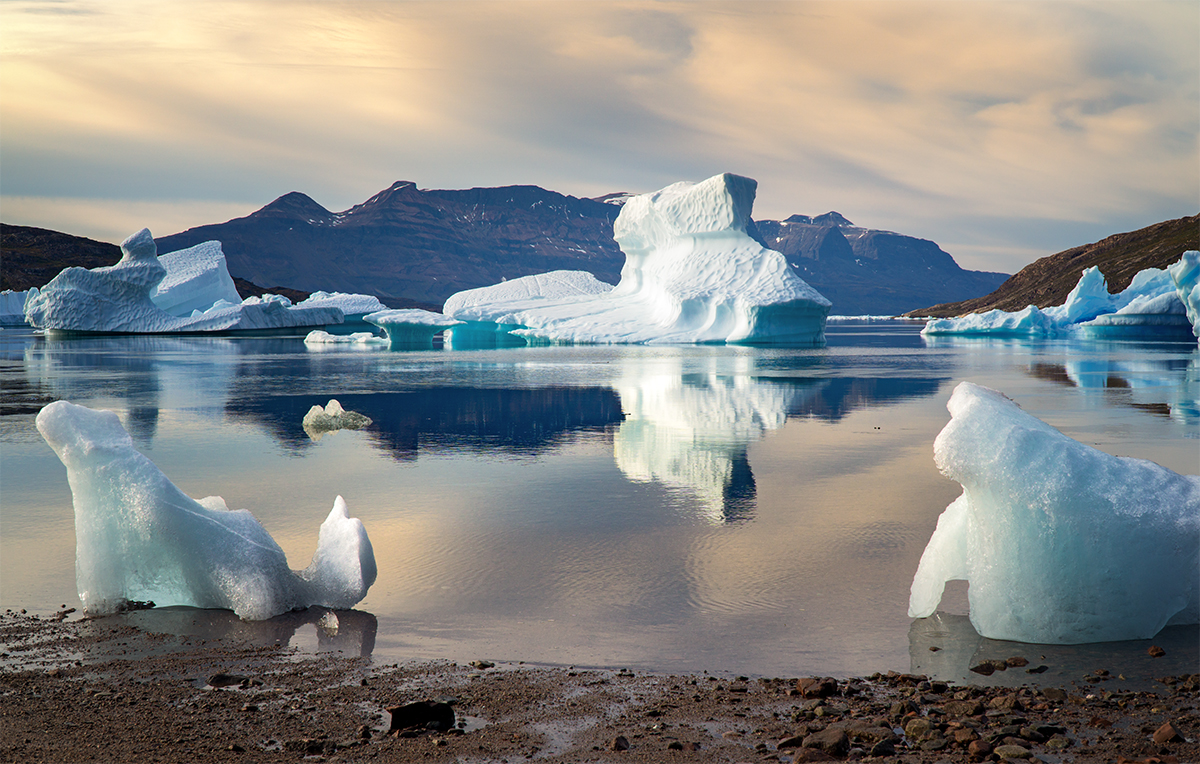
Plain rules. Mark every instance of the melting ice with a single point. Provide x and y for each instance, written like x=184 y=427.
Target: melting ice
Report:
x=138 y=537
x=1059 y=542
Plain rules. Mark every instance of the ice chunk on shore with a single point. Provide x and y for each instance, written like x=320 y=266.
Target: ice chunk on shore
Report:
x=1060 y=543
x=1185 y=275
x=118 y=298
x=138 y=537
x=692 y=274
x=410 y=328
x=1149 y=307
x=319 y=421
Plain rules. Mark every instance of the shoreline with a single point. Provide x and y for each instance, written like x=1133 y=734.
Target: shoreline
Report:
x=99 y=689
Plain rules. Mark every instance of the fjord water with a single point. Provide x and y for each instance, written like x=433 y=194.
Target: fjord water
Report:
x=754 y=510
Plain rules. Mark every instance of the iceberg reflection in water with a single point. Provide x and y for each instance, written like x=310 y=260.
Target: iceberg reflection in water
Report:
x=760 y=510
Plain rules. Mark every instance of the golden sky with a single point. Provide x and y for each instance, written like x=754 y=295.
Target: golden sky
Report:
x=1002 y=130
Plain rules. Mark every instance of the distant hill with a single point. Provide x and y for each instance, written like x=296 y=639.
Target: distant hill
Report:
x=415 y=248
x=1049 y=280
x=406 y=245
x=30 y=257
x=869 y=272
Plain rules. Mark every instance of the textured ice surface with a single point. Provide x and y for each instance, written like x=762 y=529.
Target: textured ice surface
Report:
x=12 y=306
x=196 y=278
x=410 y=328
x=138 y=537
x=1185 y=275
x=1060 y=543
x=319 y=421
x=691 y=274
x=1149 y=306
x=353 y=305
x=118 y=298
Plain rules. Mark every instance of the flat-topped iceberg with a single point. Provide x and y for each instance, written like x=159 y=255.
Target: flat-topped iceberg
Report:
x=692 y=274
x=123 y=298
x=1150 y=307
x=410 y=328
x=12 y=306
x=354 y=306
x=139 y=538
x=1060 y=543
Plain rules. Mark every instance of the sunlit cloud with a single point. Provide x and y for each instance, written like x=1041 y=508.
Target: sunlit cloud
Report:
x=924 y=117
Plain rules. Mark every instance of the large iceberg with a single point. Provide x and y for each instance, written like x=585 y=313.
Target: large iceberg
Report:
x=1151 y=306
x=354 y=306
x=1059 y=542
x=196 y=278
x=123 y=298
x=139 y=538
x=692 y=274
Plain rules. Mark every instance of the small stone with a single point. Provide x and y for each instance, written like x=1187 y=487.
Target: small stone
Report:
x=1167 y=733
x=482 y=664
x=228 y=680
x=438 y=742
x=619 y=743
x=918 y=729
x=795 y=741
x=817 y=687
x=883 y=748
x=364 y=732
x=425 y=714
x=731 y=735
x=235 y=748
x=832 y=741
x=1006 y=703
x=979 y=748
x=1156 y=652
x=1037 y=670
x=1058 y=742
x=1016 y=662
x=963 y=708
x=1011 y=752
x=1055 y=694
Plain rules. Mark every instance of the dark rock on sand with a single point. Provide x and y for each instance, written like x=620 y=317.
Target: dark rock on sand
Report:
x=425 y=714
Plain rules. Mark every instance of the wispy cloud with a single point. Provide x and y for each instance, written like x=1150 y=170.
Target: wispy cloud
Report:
x=975 y=124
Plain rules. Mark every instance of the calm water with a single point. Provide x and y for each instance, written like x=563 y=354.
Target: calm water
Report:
x=752 y=510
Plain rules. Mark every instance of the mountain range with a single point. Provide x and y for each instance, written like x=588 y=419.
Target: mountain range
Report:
x=1049 y=280
x=413 y=247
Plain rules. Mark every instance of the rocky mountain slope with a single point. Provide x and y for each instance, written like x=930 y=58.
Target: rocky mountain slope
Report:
x=1049 y=280
x=413 y=247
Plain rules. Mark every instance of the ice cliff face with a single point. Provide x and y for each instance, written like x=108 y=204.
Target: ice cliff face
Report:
x=1185 y=275
x=136 y=296
x=1061 y=543
x=138 y=537
x=691 y=274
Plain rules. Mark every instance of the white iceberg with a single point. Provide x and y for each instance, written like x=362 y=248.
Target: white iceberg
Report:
x=354 y=306
x=12 y=306
x=319 y=421
x=692 y=274
x=139 y=538
x=196 y=278
x=1150 y=306
x=1060 y=543
x=410 y=328
x=1185 y=275
x=119 y=298
x=321 y=337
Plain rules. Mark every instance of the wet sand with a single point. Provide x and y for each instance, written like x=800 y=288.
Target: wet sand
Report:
x=102 y=689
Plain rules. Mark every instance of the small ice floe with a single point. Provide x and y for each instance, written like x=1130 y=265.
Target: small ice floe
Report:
x=320 y=337
x=410 y=328
x=139 y=538
x=1060 y=543
x=321 y=421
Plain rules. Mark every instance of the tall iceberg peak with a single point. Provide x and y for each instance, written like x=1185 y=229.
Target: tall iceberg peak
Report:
x=692 y=274
x=138 y=537
x=1060 y=543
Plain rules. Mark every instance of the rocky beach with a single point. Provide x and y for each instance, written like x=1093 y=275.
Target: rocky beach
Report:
x=76 y=689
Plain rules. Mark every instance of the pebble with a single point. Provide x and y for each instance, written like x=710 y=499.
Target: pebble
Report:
x=619 y=743
x=1011 y=752
x=1167 y=733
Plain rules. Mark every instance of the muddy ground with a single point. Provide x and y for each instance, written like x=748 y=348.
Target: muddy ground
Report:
x=82 y=690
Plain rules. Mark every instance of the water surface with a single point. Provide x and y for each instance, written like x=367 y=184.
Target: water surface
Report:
x=753 y=510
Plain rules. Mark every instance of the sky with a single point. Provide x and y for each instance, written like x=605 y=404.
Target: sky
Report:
x=1004 y=131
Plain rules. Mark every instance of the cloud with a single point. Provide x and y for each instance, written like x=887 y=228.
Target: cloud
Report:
x=916 y=116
